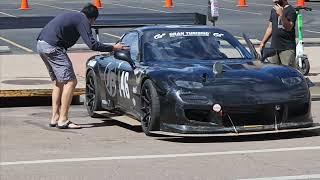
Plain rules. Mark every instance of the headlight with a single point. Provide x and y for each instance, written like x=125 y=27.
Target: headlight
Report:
x=189 y=84
x=291 y=81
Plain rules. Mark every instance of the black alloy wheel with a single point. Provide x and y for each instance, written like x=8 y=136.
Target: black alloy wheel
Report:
x=305 y=66
x=92 y=97
x=150 y=107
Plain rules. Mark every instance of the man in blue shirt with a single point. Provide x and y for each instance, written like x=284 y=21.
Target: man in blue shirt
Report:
x=56 y=37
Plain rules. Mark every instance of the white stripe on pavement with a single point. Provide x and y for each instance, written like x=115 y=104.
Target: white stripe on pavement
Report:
x=311 y=176
x=110 y=158
x=149 y=9
x=235 y=10
x=7 y=14
x=56 y=7
x=112 y=35
x=15 y=44
x=313 y=31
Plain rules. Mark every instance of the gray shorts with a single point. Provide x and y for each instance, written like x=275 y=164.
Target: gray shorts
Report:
x=286 y=57
x=57 y=62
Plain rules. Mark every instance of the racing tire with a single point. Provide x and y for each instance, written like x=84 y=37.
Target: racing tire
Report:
x=92 y=96
x=305 y=66
x=150 y=107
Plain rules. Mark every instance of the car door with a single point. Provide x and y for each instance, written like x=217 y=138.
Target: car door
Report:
x=126 y=78
x=108 y=74
x=251 y=47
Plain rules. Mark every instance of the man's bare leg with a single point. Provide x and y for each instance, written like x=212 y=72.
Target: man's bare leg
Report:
x=66 y=98
x=56 y=101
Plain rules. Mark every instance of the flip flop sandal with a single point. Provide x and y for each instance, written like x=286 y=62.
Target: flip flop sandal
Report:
x=66 y=126
x=53 y=125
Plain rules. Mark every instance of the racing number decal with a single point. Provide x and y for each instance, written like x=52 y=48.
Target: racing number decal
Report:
x=112 y=74
x=123 y=87
x=111 y=78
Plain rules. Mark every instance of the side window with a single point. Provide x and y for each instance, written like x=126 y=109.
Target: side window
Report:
x=131 y=39
x=229 y=51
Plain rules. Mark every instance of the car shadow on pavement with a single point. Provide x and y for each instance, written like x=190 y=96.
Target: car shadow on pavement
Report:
x=260 y=137
x=111 y=122
x=106 y=119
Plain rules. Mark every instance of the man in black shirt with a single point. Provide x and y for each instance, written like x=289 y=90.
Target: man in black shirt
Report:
x=281 y=29
x=53 y=41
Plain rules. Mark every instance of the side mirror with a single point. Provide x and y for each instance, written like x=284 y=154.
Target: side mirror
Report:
x=124 y=55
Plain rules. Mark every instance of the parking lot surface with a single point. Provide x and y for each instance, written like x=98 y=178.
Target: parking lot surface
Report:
x=110 y=149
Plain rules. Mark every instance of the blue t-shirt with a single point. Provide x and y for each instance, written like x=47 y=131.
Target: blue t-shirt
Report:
x=65 y=29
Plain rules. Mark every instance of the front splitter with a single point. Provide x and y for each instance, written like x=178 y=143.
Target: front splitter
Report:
x=235 y=134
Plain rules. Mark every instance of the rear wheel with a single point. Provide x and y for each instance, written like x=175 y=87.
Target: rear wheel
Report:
x=305 y=66
x=150 y=107
x=92 y=96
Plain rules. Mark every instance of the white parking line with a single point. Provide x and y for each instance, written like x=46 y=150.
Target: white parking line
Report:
x=313 y=31
x=7 y=14
x=234 y=10
x=311 y=176
x=161 y=156
x=249 y=3
x=15 y=44
x=112 y=35
x=56 y=7
x=149 y=9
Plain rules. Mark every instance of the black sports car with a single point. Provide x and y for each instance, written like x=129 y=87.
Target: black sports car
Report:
x=197 y=80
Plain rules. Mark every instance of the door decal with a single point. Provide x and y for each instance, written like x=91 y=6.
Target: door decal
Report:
x=110 y=78
x=123 y=86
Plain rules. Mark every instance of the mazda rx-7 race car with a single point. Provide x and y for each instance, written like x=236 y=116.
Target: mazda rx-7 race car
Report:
x=197 y=80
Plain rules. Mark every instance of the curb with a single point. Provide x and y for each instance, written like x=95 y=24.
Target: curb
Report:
x=33 y=93
x=311 y=41
x=4 y=49
x=315 y=97
x=306 y=41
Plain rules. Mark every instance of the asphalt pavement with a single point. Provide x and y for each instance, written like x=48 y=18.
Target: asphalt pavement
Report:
x=107 y=148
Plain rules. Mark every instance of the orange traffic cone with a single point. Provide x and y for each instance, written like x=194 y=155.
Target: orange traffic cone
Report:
x=168 y=4
x=24 y=5
x=300 y=3
x=242 y=3
x=97 y=3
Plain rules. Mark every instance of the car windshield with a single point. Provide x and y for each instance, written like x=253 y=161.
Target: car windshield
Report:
x=169 y=44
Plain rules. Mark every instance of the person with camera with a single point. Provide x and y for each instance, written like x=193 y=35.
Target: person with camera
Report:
x=281 y=30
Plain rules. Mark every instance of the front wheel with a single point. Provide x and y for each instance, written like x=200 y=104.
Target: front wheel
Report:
x=92 y=96
x=150 y=107
x=305 y=65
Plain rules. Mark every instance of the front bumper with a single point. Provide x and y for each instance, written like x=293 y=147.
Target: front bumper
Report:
x=190 y=131
x=194 y=116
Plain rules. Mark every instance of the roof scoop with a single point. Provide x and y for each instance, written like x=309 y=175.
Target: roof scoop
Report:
x=217 y=68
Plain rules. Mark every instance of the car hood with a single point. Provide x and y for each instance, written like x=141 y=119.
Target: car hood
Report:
x=245 y=78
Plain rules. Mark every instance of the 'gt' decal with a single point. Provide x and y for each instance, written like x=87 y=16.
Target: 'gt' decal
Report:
x=159 y=36
x=124 y=88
